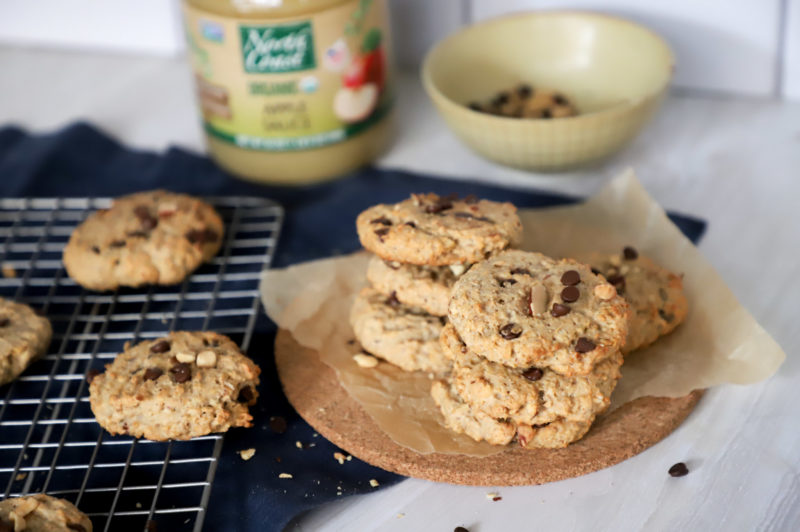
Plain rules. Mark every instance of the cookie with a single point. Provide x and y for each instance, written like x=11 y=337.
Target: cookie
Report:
x=523 y=309
x=24 y=337
x=431 y=230
x=42 y=513
x=155 y=237
x=185 y=385
x=525 y=101
x=655 y=295
x=426 y=287
x=407 y=337
x=530 y=396
x=460 y=418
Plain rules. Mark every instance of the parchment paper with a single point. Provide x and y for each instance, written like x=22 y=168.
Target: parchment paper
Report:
x=719 y=342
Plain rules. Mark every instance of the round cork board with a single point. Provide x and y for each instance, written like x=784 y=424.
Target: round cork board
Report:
x=313 y=389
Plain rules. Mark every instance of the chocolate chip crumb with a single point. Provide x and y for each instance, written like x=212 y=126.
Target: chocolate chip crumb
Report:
x=584 y=345
x=533 y=374
x=117 y=244
x=497 y=498
x=570 y=294
x=678 y=470
x=392 y=300
x=381 y=232
x=570 y=278
x=383 y=220
x=510 y=331
x=161 y=346
x=559 y=310
x=630 y=253
x=276 y=423
x=441 y=204
x=96 y=250
x=151 y=526
x=246 y=395
x=4 y=322
x=151 y=374
x=521 y=271
x=181 y=372
x=91 y=374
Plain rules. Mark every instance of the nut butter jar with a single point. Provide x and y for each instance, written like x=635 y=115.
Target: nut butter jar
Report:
x=292 y=91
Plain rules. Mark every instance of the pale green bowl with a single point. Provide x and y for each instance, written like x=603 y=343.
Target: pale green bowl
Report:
x=615 y=72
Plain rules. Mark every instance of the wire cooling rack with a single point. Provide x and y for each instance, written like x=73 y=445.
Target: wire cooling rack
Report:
x=49 y=440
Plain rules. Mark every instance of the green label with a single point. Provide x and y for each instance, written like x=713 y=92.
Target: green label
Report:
x=280 y=48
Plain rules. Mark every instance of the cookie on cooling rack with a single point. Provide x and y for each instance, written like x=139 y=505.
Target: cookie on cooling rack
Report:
x=24 y=337
x=154 y=237
x=185 y=385
x=42 y=513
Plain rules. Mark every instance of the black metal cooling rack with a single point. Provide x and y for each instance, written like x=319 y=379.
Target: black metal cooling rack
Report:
x=49 y=440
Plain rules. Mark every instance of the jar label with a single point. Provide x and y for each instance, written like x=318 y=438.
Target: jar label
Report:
x=291 y=84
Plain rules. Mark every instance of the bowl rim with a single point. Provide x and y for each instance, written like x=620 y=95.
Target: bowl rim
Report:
x=434 y=92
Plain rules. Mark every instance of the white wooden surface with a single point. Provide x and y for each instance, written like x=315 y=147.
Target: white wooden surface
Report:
x=733 y=162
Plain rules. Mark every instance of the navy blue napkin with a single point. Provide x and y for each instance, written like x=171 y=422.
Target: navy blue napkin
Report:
x=249 y=496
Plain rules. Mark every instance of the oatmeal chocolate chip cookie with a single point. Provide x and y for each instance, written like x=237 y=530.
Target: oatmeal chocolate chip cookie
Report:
x=525 y=101
x=531 y=396
x=154 y=237
x=555 y=435
x=184 y=385
x=24 y=337
x=431 y=230
x=407 y=337
x=460 y=418
x=655 y=295
x=524 y=309
x=426 y=287
x=42 y=513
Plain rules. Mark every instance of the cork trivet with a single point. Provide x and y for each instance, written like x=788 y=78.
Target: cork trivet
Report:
x=313 y=389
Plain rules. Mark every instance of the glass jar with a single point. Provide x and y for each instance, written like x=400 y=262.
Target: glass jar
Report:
x=292 y=91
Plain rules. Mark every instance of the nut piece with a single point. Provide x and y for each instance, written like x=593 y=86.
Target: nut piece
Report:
x=247 y=454
x=458 y=269
x=605 y=291
x=365 y=361
x=206 y=359
x=539 y=300
x=186 y=358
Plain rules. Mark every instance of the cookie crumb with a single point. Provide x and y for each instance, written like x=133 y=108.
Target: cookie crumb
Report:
x=285 y=475
x=247 y=454
x=20 y=476
x=373 y=483
x=365 y=361
x=8 y=271
x=138 y=505
x=401 y=515
x=493 y=496
x=298 y=444
x=339 y=457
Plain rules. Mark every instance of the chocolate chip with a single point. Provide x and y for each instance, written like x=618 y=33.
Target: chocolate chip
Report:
x=91 y=374
x=630 y=253
x=559 y=310
x=546 y=113
x=392 y=300
x=162 y=346
x=201 y=236
x=471 y=216
x=510 y=331
x=471 y=199
x=618 y=281
x=441 y=204
x=559 y=99
x=76 y=526
x=521 y=271
x=410 y=224
x=475 y=106
x=5 y=527
x=148 y=221
x=4 y=322
x=663 y=294
x=584 y=345
x=497 y=498
x=678 y=470
x=96 y=250
x=276 y=423
x=181 y=372
x=391 y=265
x=151 y=374
x=246 y=395
x=666 y=316
x=138 y=234
x=533 y=374
x=117 y=244
x=570 y=278
x=151 y=526
x=524 y=90
x=570 y=294
x=383 y=220
x=460 y=529
x=505 y=283
x=381 y=232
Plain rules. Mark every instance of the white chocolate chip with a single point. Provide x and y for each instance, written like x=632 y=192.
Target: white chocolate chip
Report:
x=458 y=269
x=247 y=454
x=186 y=358
x=539 y=299
x=605 y=291
x=206 y=359
x=373 y=483
x=365 y=361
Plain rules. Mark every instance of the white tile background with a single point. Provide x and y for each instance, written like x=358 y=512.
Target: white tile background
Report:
x=748 y=47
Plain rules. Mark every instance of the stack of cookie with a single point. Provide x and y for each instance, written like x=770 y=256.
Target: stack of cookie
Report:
x=536 y=350
x=422 y=245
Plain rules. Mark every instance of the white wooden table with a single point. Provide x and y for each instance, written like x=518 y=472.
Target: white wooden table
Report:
x=733 y=162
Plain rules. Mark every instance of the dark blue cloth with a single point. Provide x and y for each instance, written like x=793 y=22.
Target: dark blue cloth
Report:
x=82 y=161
